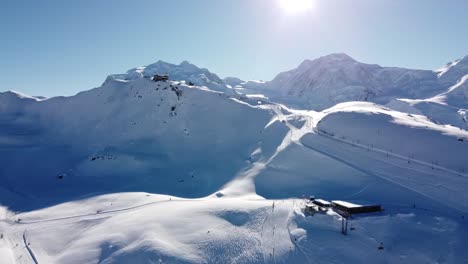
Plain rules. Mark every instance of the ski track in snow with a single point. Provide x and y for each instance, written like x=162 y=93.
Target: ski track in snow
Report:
x=293 y=136
x=28 y=248
x=101 y=213
x=394 y=155
x=358 y=168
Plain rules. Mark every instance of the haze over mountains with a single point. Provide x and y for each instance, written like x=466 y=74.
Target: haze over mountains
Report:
x=102 y=173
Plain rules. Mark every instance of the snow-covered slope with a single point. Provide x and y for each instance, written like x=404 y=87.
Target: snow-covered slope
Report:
x=379 y=127
x=147 y=228
x=233 y=81
x=98 y=177
x=448 y=107
x=403 y=139
x=163 y=137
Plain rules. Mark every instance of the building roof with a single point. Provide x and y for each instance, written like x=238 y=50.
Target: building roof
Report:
x=346 y=204
x=322 y=201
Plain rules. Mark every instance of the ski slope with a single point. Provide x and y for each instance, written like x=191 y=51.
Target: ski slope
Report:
x=166 y=229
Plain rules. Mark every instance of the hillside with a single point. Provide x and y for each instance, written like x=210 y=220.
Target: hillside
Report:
x=449 y=107
x=164 y=137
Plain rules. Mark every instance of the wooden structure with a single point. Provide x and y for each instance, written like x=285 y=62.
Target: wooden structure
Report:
x=161 y=77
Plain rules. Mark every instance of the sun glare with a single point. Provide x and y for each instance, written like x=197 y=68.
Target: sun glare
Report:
x=295 y=6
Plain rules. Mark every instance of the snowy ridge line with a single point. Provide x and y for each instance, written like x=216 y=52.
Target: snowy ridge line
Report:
x=441 y=71
x=440 y=98
x=456 y=86
x=31 y=253
x=93 y=214
x=423 y=163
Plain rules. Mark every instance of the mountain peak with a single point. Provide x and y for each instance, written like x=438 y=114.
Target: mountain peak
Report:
x=185 y=71
x=334 y=58
x=454 y=70
x=464 y=60
x=337 y=57
x=160 y=63
x=185 y=62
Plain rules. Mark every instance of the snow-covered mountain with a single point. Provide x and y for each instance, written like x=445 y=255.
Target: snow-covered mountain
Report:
x=233 y=81
x=453 y=71
x=132 y=131
x=99 y=177
x=337 y=78
x=185 y=71
x=448 y=107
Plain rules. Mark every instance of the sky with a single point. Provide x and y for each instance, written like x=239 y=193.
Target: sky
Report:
x=56 y=47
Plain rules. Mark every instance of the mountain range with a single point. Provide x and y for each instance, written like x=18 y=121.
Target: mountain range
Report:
x=200 y=169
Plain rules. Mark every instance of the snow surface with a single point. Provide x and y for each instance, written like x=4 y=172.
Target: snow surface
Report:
x=157 y=229
x=137 y=171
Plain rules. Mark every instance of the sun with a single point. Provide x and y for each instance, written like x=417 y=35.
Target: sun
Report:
x=296 y=6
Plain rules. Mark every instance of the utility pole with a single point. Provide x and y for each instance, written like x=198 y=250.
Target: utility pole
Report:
x=344 y=225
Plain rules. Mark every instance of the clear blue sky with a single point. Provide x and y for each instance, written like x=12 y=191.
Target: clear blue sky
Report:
x=57 y=47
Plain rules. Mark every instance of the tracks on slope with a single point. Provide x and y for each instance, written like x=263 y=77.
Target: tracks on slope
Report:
x=360 y=169
x=28 y=248
x=93 y=214
x=393 y=155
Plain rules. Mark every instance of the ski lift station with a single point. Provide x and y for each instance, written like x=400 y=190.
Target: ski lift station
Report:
x=351 y=208
x=343 y=208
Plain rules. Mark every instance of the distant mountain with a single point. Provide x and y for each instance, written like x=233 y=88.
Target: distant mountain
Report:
x=336 y=78
x=233 y=81
x=185 y=71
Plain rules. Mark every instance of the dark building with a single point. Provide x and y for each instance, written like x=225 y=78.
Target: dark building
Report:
x=322 y=203
x=351 y=208
x=161 y=77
